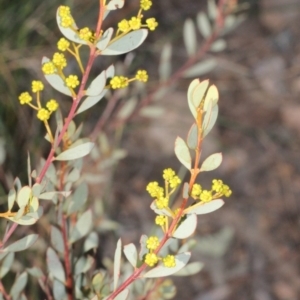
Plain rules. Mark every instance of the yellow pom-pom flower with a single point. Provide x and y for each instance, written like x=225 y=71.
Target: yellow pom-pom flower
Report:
x=206 y=196
x=152 y=243
x=85 y=34
x=118 y=82
x=52 y=105
x=145 y=4
x=72 y=81
x=36 y=86
x=154 y=189
x=135 y=23
x=151 y=259
x=151 y=23
x=48 y=68
x=25 y=98
x=43 y=114
x=160 y=220
x=141 y=75
x=168 y=174
x=169 y=261
x=124 y=26
x=59 y=60
x=162 y=202
x=174 y=182
x=64 y=11
x=196 y=190
x=66 y=21
x=63 y=44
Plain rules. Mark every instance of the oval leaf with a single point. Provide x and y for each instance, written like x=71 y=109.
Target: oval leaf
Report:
x=22 y=244
x=190 y=92
x=131 y=254
x=90 y=102
x=161 y=271
x=189 y=37
x=182 y=152
x=23 y=196
x=198 y=93
x=209 y=120
x=19 y=285
x=117 y=263
x=57 y=239
x=105 y=39
x=91 y=242
x=203 y=24
x=55 y=266
x=192 y=138
x=97 y=85
x=56 y=81
x=76 y=152
x=212 y=97
x=82 y=227
x=212 y=162
x=202 y=208
x=6 y=264
x=186 y=227
x=126 y=43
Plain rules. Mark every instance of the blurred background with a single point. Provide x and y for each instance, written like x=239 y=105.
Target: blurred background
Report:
x=250 y=247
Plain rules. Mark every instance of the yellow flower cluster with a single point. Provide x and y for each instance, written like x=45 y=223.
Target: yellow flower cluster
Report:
x=43 y=114
x=218 y=189
x=135 y=23
x=152 y=258
x=162 y=196
x=118 y=82
x=66 y=18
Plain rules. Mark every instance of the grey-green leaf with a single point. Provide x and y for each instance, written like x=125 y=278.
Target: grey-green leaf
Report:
x=22 y=244
x=115 y=4
x=117 y=263
x=82 y=227
x=182 y=152
x=24 y=196
x=203 y=24
x=105 y=39
x=59 y=290
x=91 y=242
x=97 y=85
x=79 y=198
x=131 y=254
x=56 y=81
x=90 y=102
x=57 y=239
x=11 y=198
x=76 y=152
x=189 y=37
x=6 y=264
x=18 y=286
x=186 y=228
x=212 y=162
x=126 y=43
x=83 y=264
x=192 y=138
x=55 y=266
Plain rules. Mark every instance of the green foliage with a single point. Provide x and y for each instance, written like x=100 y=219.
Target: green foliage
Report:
x=71 y=221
